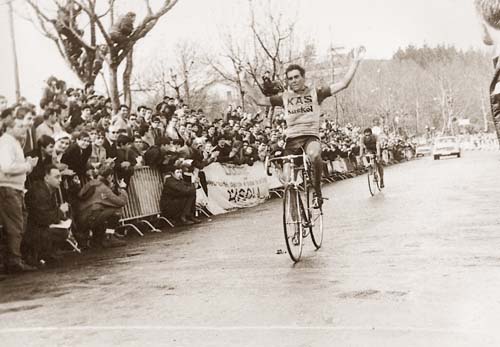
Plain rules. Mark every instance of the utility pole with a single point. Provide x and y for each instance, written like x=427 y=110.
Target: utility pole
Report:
x=14 y=53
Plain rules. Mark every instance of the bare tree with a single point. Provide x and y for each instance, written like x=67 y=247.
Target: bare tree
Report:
x=230 y=65
x=272 y=36
x=86 y=48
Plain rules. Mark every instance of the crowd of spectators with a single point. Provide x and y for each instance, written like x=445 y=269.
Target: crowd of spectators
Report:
x=75 y=157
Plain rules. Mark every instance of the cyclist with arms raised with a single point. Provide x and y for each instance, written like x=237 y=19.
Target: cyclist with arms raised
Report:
x=301 y=104
x=369 y=143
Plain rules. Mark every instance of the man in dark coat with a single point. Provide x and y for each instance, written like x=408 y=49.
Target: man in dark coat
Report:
x=178 y=198
x=44 y=211
x=77 y=155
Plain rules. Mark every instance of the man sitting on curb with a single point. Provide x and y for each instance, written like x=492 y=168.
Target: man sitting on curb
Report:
x=101 y=201
x=43 y=213
x=178 y=197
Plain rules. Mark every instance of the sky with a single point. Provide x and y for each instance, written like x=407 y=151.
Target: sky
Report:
x=380 y=25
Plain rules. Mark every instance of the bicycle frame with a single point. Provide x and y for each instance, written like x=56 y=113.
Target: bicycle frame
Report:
x=295 y=170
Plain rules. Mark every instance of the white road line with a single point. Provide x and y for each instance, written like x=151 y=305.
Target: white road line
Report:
x=240 y=328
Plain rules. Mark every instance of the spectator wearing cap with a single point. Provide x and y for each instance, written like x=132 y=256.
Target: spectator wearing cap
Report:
x=50 y=125
x=178 y=197
x=99 y=208
x=44 y=210
x=13 y=170
x=78 y=154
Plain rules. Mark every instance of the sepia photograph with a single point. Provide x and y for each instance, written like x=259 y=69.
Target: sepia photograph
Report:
x=262 y=173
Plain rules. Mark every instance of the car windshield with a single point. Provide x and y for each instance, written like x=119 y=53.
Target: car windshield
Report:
x=446 y=140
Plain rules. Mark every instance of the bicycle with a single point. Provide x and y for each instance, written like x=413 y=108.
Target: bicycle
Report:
x=298 y=220
x=373 y=174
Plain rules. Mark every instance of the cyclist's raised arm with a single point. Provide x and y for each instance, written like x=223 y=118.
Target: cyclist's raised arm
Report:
x=344 y=83
x=259 y=99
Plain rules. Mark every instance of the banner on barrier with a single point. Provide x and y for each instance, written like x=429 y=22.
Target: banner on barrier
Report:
x=232 y=187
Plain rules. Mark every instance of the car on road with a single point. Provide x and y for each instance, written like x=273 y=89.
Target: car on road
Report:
x=423 y=150
x=446 y=146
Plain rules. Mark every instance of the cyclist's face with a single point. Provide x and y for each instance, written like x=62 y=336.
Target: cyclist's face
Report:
x=295 y=80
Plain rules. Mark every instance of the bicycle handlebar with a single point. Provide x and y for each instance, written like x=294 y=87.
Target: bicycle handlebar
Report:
x=285 y=158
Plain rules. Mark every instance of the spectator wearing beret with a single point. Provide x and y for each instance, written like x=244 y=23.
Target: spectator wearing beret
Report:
x=178 y=197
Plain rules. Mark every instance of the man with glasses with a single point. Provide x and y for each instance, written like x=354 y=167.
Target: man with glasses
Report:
x=301 y=104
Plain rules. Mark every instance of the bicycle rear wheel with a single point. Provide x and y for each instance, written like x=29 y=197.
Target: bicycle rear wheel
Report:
x=315 y=216
x=292 y=223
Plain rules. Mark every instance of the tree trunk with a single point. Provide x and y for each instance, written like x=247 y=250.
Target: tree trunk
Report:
x=187 y=96
x=485 y=113
x=242 y=93
x=113 y=87
x=127 y=73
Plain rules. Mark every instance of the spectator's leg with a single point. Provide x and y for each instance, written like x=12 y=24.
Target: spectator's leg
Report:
x=188 y=207
x=12 y=215
x=101 y=220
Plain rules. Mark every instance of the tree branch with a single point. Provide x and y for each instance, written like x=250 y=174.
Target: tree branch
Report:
x=147 y=24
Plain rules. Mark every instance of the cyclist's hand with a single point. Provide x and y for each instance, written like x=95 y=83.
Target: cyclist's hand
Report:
x=358 y=53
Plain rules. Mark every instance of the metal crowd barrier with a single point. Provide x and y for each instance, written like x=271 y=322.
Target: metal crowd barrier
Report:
x=144 y=193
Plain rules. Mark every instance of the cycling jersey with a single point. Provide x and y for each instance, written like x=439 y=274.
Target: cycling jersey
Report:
x=302 y=110
x=370 y=143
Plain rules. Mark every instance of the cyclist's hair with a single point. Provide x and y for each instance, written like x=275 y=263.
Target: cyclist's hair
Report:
x=295 y=67
x=368 y=130
x=489 y=11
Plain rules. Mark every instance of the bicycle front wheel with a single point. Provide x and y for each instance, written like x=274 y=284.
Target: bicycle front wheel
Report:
x=371 y=181
x=315 y=216
x=292 y=223
x=376 y=178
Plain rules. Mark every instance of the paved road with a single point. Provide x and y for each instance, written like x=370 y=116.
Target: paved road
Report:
x=418 y=265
